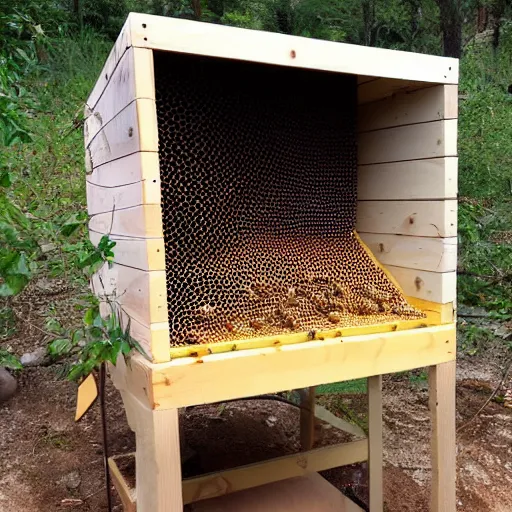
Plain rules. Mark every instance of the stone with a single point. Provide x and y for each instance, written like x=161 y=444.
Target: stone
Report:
x=35 y=358
x=72 y=480
x=8 y=385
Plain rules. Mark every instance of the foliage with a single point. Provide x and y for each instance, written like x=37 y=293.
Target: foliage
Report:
x=8 y=360
x=473 y=338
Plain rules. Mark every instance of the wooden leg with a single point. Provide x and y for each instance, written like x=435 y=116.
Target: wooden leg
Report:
x=158 y=464
x=375 y=460
x=307 y=418
x=442 y=411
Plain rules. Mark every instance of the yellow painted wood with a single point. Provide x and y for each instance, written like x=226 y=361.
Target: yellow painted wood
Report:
x=183 y=36
x=289 y=466
x=87 y=394
x=414 y=218
x=196 y=380
x=421 y=253
x=443 y=446
x=406 y=108
x=433 y=178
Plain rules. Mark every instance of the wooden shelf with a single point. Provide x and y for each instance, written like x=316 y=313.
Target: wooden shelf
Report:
x=216 y=377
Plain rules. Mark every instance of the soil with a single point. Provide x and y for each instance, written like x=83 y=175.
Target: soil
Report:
x=50 y=463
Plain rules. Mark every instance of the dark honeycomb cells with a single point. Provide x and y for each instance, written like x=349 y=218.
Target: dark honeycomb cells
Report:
x=259 y=189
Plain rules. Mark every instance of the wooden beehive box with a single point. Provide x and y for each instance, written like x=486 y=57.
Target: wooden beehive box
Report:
x=399 y=112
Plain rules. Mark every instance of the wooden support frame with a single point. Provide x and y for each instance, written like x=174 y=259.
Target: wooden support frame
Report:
x=375 y=453
x=441 y=379
x=307 y=417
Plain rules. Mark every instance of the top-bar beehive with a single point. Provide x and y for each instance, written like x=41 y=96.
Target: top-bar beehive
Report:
x=232 y=166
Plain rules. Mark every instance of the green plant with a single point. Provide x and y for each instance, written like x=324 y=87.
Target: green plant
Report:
x=473 y=338
x=9 y=360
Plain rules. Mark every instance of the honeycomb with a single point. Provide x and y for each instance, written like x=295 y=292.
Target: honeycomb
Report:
x=259 y=189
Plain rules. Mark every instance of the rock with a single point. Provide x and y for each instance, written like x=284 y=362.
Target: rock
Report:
x=8 y=385
x=35 y=358
x=45 y=248
x=72 y=480
x=271 y=421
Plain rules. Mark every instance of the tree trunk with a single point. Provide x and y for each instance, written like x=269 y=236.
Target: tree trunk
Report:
x=451 y=27
x=196 y=7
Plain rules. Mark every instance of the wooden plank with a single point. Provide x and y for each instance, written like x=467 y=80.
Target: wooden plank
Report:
x=141 y=253
x=421 y=253
x=307 y=493
x=142 y=295
x=443 y=446
x=432 y=286
x=198 y=380
x=133 y=78
x=127 y=170
x=425 y=140
x=126 y=494
x=184 y=36
x=157 y=466
x=122 y=43
x=385 y=87
x=445 y=313
x=415 y=218
x=282 y=468
x=375 y=437
x=124 y=134
x=307 y=418
x=279 y=340
x=105 y=199
x=434 y=178
x=409 y=107
x=140 y=222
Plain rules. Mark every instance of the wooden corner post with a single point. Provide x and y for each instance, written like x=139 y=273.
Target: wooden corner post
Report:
x=375 y=458
x=442 y=411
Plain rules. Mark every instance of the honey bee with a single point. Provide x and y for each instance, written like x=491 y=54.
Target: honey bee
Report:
x=334 y=317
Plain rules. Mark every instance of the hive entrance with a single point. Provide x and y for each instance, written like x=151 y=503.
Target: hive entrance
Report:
x=259 y=190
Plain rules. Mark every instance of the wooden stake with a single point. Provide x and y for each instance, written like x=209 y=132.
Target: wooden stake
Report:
x=375 y=459
x=307 y=418
x=442 y=411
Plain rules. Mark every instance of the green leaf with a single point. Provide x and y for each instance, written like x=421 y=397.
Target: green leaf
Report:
x=5 y=179
x=13 y=285
x=9 y=360
x=90 y=315
x=54 y=326
x=72 y=223
x=60 y=347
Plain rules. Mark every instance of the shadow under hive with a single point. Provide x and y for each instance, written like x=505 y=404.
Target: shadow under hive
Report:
x=258 y=167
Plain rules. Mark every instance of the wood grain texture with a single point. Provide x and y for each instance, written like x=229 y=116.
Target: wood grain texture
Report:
x=158 y=468
x=122 y=43
x=281 y=468
x=375 y=439
x=131 y=130
x=307 y=418
x=442 y=410
x=409 y=107
x=199 y=380
x=132 y=79
x=382 y=88
x=142 y=295
x=438 y=287
x=183 y=36
x=434 y=178
x=140 y=253
x=308 y=493
x=420 y=253
x=419 y=141
x=415 y=218
x=106 y=199
x=126 y=171
x=139 y=222
x=126 y=494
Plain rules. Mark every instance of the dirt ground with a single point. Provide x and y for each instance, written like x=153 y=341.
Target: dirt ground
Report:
x=50 y=463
